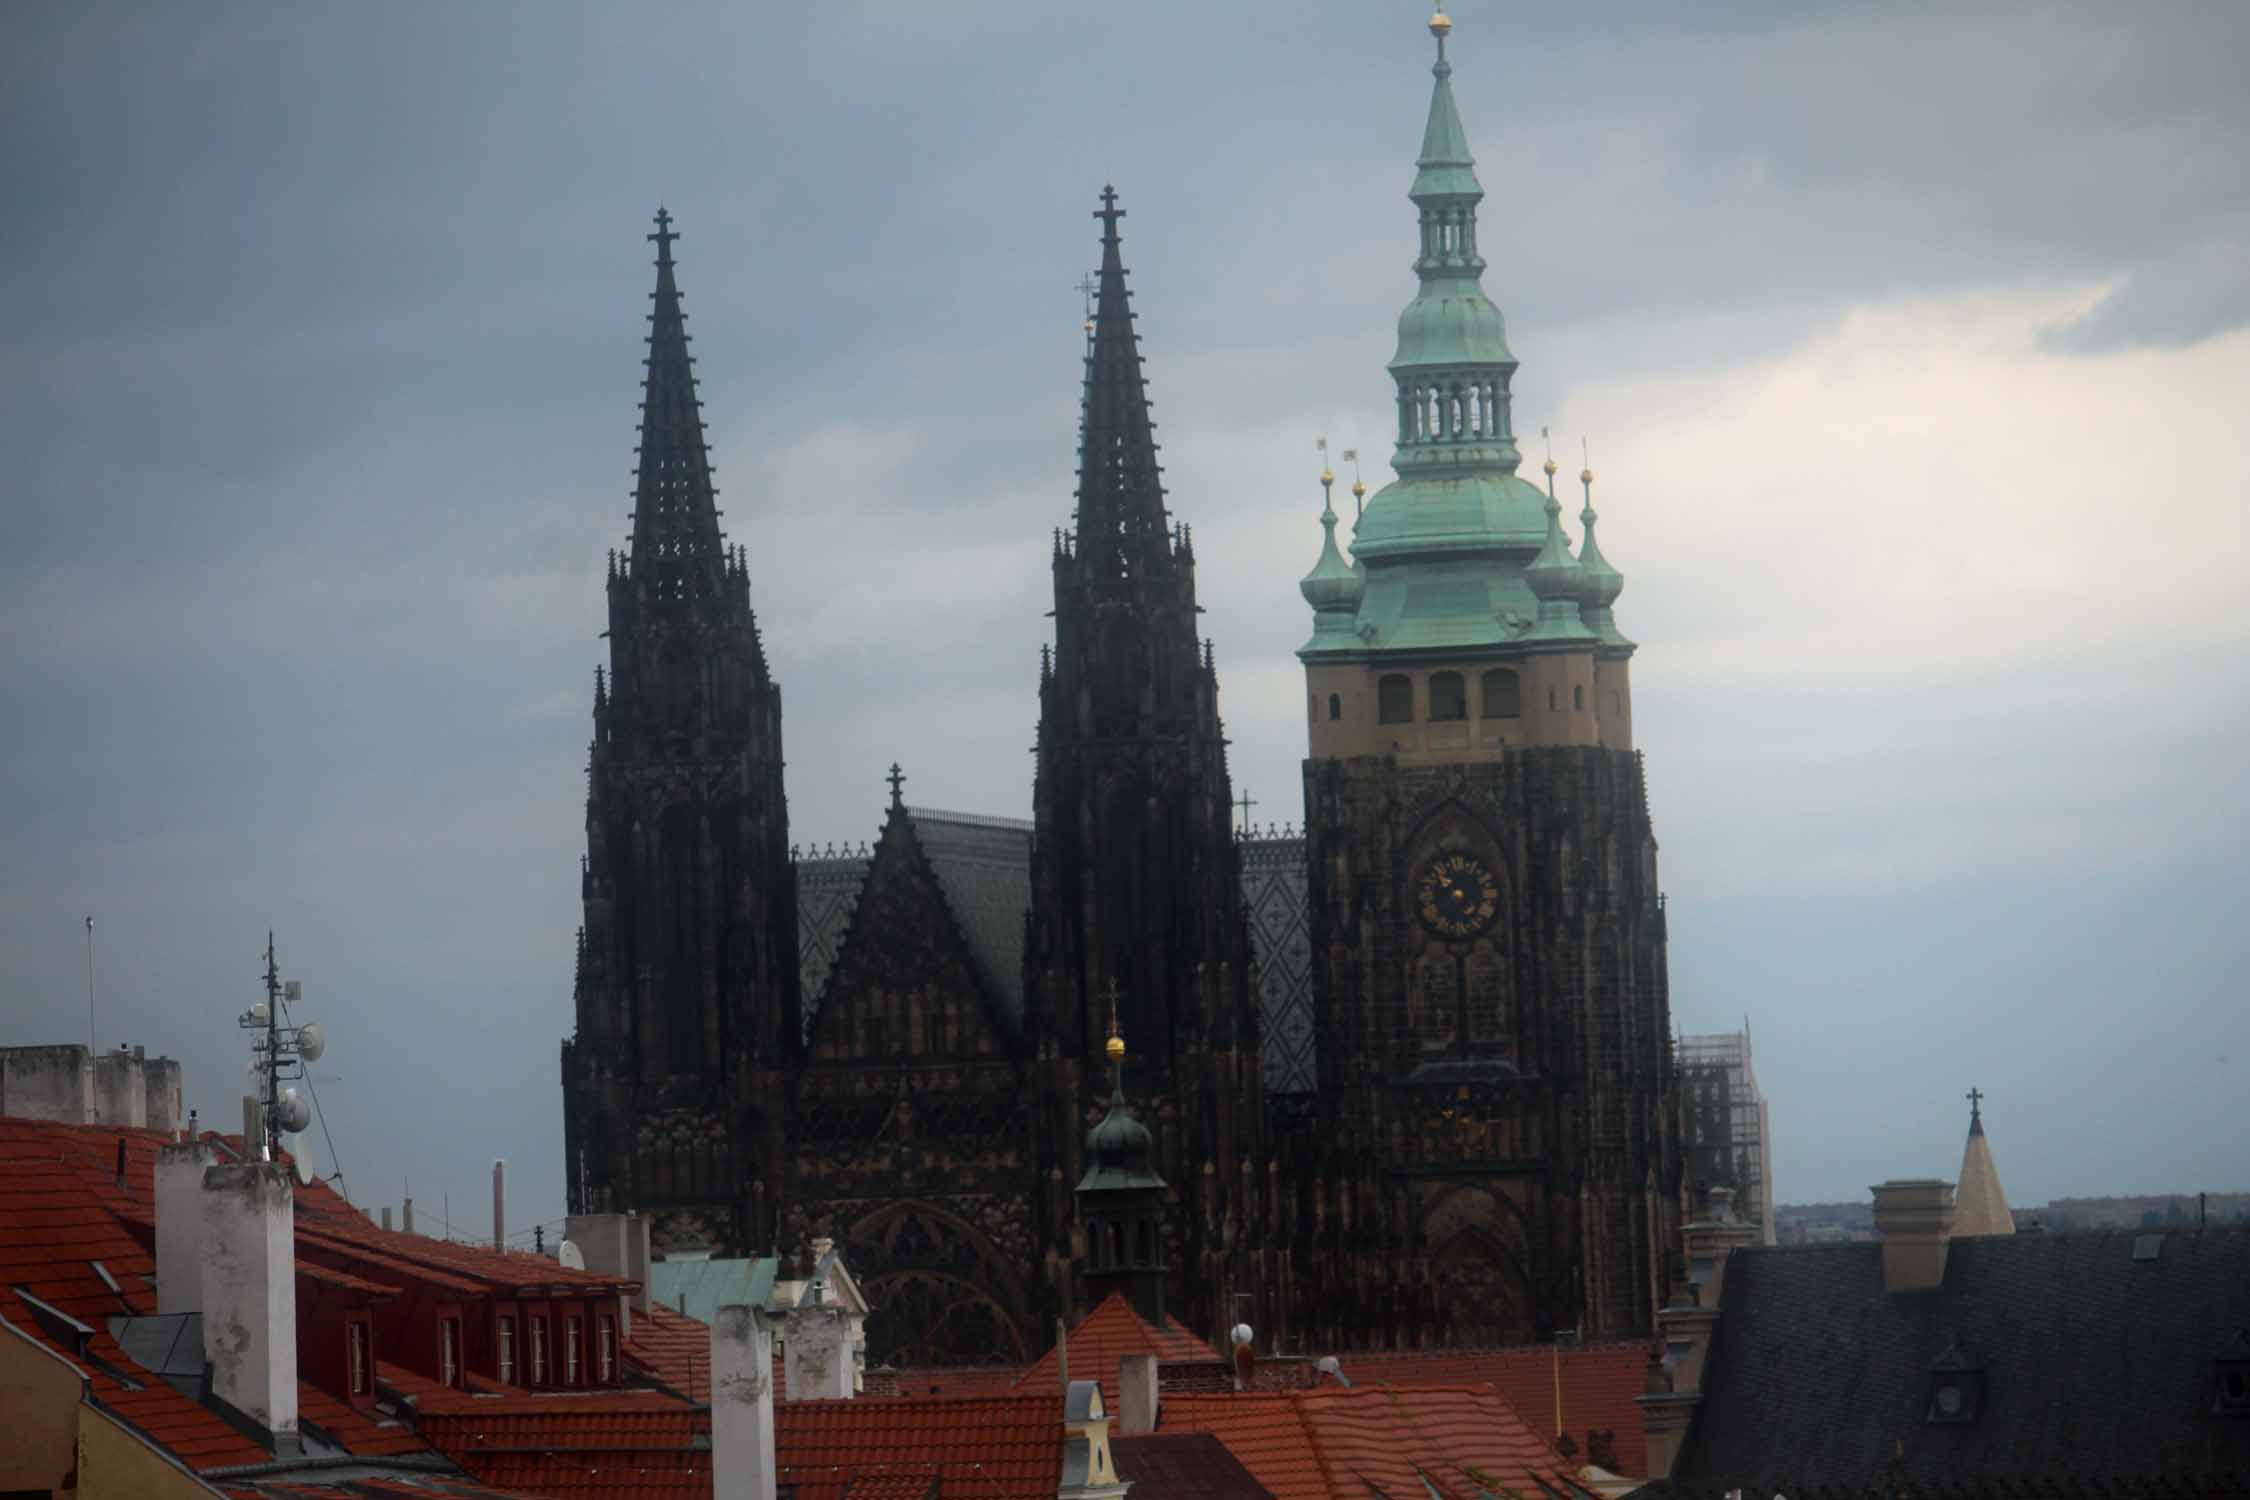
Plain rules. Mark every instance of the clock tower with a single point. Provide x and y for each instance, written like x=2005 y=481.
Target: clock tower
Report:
x=1496 y=1154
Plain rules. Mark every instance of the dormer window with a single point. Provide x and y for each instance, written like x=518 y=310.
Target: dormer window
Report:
x=2230 y=1377
x=504 y=1349
x=605 y=1349
x=1956 y=1386
x=538 y=1352
x=449 y=1351
x=573 y=1350
x=355 y=1356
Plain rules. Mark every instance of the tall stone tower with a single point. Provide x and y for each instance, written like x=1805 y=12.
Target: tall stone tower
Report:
x=1497 y=1158
x=687 y=974
x=1136 y=909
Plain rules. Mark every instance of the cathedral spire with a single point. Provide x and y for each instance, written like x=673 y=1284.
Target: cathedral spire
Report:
x=1121 y=517
x=677 y=552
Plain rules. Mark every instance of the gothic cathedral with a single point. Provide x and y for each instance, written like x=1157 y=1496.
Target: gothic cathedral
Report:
x=1404 y=1080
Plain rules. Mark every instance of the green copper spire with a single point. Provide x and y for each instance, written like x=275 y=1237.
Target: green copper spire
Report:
x=1447 y=168
x=1333 y=588
x=1599 y=583
x=1556 y=579
x=1443 y=547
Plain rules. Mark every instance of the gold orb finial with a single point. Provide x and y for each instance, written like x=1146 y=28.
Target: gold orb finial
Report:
x=1326 y=478
x=1585 y=476
x=1552 y=466
x=1440 y=24
x=1359 y=487
x=1115 y=1047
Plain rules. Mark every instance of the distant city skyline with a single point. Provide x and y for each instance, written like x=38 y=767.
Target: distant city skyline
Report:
x=1907 y=348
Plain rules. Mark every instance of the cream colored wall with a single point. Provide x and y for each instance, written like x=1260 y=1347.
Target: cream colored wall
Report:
x=39 y=1396
x=115 y=1463
x=1580 y=715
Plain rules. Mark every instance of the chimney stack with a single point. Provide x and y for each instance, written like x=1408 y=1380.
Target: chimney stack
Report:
x=1137 y=1398
x=249 y=1250
x=499 y=1205
x=1914 y=1220
x=179 y=1224
x=406 y=1213
x=742 y=1452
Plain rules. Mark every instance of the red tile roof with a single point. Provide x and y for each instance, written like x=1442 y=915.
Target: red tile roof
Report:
x=1594 y=1385
x=673 y=1350
x=1104 y=1337
x=63 y=1207
x=1462 y=1442
x=989 y=1448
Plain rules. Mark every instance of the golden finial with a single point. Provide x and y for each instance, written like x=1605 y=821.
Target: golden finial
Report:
x=1359 y=489
x=1440 y=23
x=1115 y=1046
x=1585 y=475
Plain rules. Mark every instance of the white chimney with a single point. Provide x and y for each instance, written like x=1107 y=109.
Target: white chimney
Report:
x=250 y=1293
x=742 y=1453
x=179 y=1224
x=615 y=1245
x=1136 y=1394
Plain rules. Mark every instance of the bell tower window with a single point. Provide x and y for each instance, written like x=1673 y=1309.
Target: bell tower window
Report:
x=1503 y=694
x=1394 y=699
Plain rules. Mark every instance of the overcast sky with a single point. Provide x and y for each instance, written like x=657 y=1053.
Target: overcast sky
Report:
x=1912 y=345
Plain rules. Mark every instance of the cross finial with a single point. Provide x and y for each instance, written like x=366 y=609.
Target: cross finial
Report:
x=897 y=779
x=664 y=235
x=1109 y=213
x=1245 y=802
x=1975 y=1096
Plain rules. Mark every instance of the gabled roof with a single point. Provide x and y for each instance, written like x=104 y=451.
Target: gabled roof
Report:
x=1439 y=1442
x=1593 y=1385
x=2097 y=1357
x=1103 y=1338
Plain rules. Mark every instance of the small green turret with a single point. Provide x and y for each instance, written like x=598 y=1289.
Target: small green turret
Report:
x=1333 y=588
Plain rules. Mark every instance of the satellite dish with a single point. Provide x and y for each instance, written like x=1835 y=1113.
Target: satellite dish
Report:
x=311 y=1042
x=1242 y=1333
x=295 y=1111
x=568 y=1254
x=300 y=1152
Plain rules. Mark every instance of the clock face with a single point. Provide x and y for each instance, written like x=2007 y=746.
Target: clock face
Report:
x=1457 y=896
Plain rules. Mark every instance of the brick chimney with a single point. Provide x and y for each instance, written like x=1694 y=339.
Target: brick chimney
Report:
x=742 y=1453
x=248 y=1244
x=1914 y=1220
x=179 y=1224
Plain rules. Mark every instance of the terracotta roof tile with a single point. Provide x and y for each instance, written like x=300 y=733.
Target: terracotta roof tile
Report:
x=990 y=1448
x=1459 y=1441
x=1595 y=1384
x=1104 y=1337
x=673 y=1350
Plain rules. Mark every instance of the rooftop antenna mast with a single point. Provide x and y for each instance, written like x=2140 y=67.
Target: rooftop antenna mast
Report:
x=92 y=1046
x=277 y=1051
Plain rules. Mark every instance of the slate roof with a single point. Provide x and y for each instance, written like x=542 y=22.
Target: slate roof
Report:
x=1441 y=1442
x=1103 y=1338
x=2097 y=1365
x=1184 y=1466
x=983 y=865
